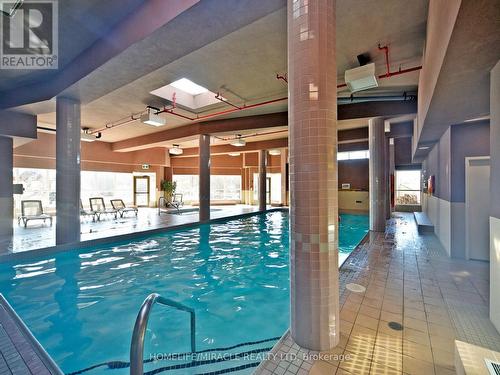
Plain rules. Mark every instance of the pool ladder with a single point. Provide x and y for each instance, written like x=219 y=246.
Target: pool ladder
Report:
x=141 y=322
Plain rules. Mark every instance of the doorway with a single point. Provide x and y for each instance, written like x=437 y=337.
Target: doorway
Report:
x=477 y=206
x=268 y=190
x=141 y=191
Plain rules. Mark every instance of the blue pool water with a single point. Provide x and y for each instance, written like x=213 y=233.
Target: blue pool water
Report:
x=82 y=305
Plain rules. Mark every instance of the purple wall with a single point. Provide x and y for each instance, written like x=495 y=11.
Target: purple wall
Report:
x=466 y=140
x=446 y=160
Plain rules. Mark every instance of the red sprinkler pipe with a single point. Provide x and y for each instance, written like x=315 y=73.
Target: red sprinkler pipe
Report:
x=223 y=100
x=171 y=110
x=283 y=78
x=386 y=52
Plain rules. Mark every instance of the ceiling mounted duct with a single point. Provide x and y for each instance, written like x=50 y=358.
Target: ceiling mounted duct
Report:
x=176 y=150
x=238 y=142
x=274 y=152
x=361 y=78
x=153 y=119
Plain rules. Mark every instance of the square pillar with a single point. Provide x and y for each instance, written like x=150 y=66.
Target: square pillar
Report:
x=378 y=176
x=312 y=111
x=262 y=180
x=68 y=132
x=6 y=189
x=495 y=196
x=204 y=171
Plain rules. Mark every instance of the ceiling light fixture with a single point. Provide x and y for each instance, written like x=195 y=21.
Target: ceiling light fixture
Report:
x=238 y=141
x=361 y=78
x=274 y=152
x=176 y=150
x=234 y=154
x=188 y=86
x=88 y=136
x=153 y=119
x=424 y=148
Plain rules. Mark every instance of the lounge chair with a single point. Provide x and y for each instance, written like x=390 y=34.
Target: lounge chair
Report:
x=98 y=207
x=175 y=202
x=84 y=212
x=32 y=210
x=120 y=207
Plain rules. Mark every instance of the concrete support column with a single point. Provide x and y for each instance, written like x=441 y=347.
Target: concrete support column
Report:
x=378 y=183
x=284 y=177
x=6 y=189
x=262 y=179
x=391 y=172
x=312 y=111
x=204 y=168
x=67 y=170
x=495 y=196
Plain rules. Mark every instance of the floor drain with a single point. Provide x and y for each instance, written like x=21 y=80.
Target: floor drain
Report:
x=395 y=326
x=356 y=288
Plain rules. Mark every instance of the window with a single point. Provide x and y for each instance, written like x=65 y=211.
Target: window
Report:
x=222 y=187
x=109 y=185
x=407 y=187
x=39 y=184
x=353 y=155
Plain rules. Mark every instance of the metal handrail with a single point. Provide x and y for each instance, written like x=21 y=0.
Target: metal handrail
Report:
x=141 y=322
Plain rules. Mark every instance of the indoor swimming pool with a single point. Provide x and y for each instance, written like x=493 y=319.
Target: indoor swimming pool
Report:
x=81 y=305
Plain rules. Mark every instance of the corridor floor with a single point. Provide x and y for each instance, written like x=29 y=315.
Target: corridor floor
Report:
x=417 y=302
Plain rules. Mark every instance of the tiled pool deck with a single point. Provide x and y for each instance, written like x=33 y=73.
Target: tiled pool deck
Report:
x=409 y=280
x=20 y=353
x=38 y=236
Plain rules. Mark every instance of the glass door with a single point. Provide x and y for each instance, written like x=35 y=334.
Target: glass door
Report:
x=141 y=191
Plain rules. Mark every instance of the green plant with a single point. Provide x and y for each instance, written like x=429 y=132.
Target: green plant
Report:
x=168 y=187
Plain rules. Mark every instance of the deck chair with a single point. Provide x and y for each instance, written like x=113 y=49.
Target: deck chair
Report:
x=32 y=210
x=84 y=212
x=120 y=207
x=98 y=207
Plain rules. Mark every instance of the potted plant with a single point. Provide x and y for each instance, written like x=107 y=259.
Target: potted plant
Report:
x=168 y=188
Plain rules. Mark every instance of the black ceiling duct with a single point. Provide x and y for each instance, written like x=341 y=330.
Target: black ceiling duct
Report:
x=364 y=59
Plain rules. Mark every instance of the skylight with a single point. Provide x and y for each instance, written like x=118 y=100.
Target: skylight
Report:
x=188 y=86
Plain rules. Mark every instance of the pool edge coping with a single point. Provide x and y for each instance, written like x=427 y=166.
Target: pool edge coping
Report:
x=44 y=251
x=30 y=338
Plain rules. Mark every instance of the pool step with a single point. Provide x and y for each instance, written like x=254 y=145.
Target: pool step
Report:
x=234 y=359
x=424 y=224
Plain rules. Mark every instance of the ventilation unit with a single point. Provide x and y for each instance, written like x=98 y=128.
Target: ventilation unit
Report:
x=361 y=78
x=153 y=119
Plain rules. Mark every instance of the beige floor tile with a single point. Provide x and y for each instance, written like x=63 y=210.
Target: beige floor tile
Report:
x=391 y=317
x=443 y=371
x=378 y=369
x=370 y=311
x=443 y=358
x=372 y=302
x=419 y=325
x=383 y=327
x=346 y=327
x=388 y=358
x=342 y=372
x=348 y=315
x=392 y=307
x=412 y=366
x=446 y=344
x=415 y=314
x=391 y=342
x=440 y=330
x=356 y=364
x=323 y=368
x=351 y=306
x=417 y=351
x=366 y=321
x=333 y=356
x=416 y=336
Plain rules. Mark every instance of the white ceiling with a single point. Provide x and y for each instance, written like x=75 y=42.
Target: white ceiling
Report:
x=242 y=65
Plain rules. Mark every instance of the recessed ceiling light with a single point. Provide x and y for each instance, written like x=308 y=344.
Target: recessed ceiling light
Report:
x=176 y=150
x=238 y=142
x=424 y=148
x=274 y=152
x=234 y=154
x=188 y=86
